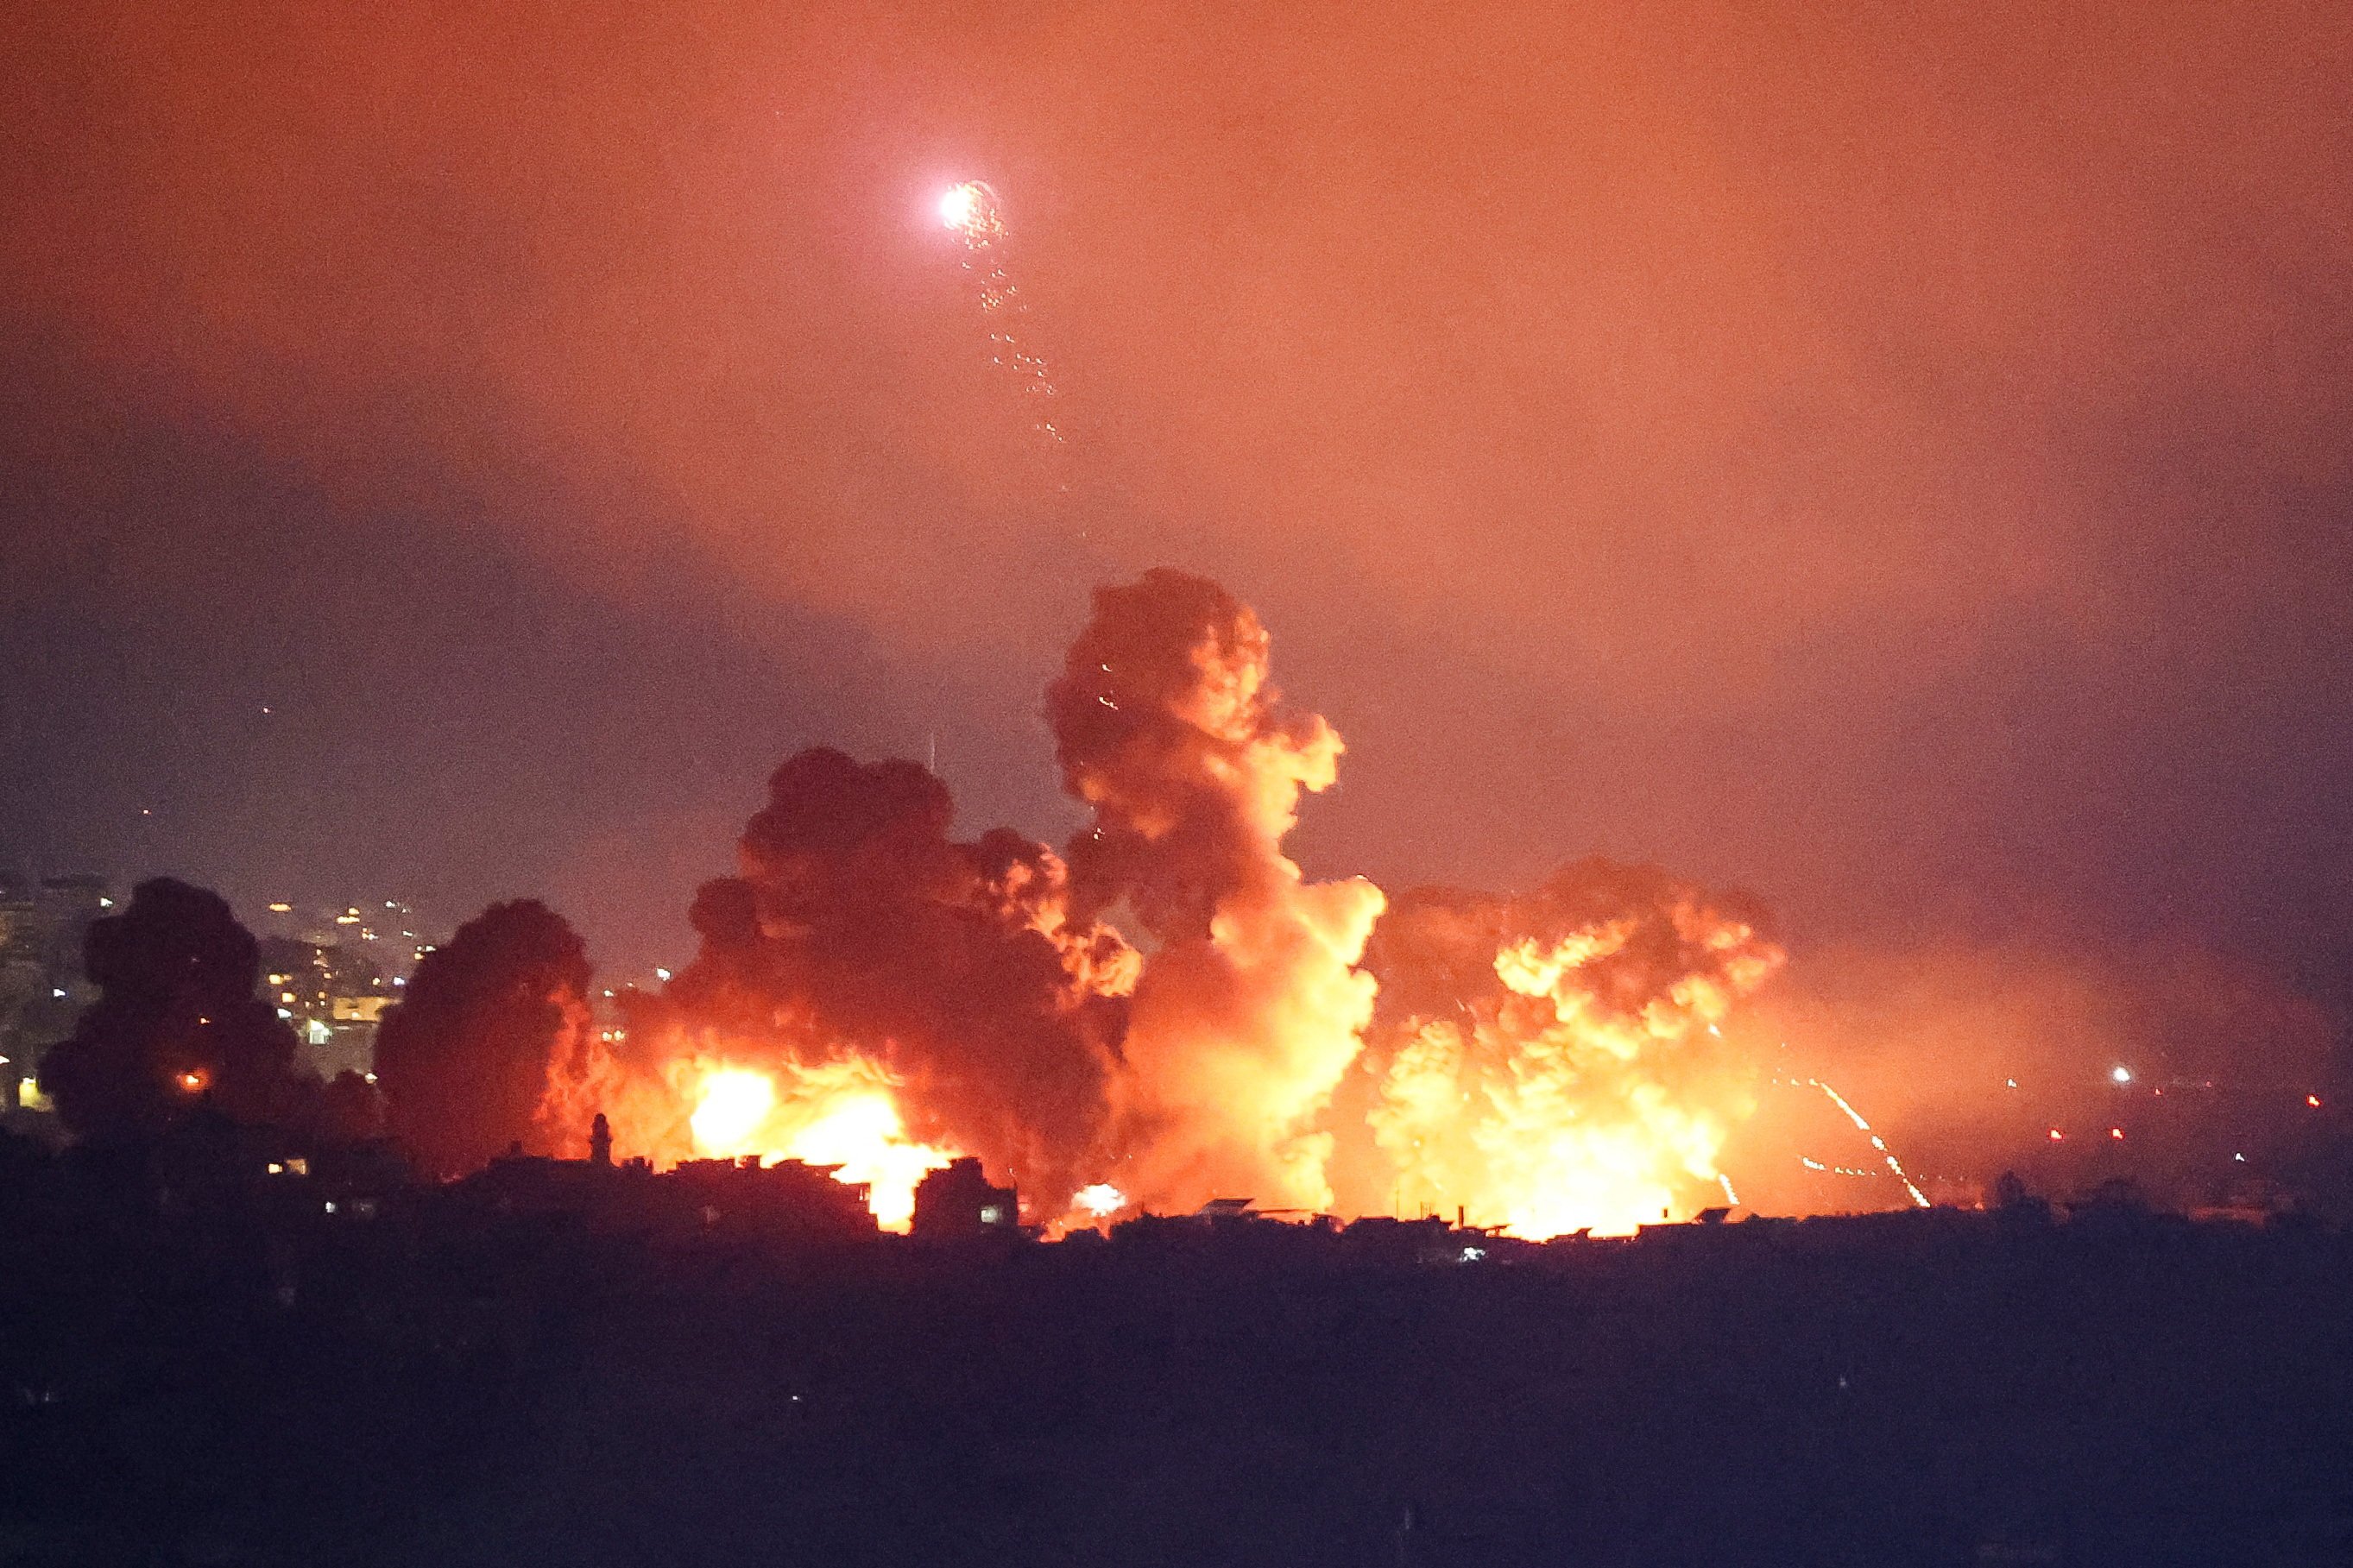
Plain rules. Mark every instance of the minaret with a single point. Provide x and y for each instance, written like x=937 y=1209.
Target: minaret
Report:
x=600 y=1141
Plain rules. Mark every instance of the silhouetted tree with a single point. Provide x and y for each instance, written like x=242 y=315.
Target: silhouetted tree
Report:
x=176 y=1024
x=463 y=1060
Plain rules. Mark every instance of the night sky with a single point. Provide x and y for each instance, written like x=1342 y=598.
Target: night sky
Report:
x=1898 y=460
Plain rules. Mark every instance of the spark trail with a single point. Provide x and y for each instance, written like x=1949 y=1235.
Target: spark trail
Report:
x=972 y=212
x=1855 y=1116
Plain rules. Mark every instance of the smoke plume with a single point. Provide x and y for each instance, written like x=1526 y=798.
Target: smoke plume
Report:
x=855 y=925
x=178 y=1024
x=487 y=1025
x=1249 y=1009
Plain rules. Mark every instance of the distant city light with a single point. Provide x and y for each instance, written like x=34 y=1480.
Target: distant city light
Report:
x=57 y=994
x=105 y=904
x=281 y=908
x=2122 y=1075
x=192 y=1082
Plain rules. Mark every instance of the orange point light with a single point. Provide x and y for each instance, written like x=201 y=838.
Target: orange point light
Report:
x=2312 y=1101
x=2117 y=1133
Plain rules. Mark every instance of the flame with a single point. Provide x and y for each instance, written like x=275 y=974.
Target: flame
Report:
x=1101 y=1200
x=730 y=1109
x=1582 y=1099
x=839 y=1113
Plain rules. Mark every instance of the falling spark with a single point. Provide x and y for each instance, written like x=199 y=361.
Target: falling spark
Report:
x=1889 y=1155
x=971 y=212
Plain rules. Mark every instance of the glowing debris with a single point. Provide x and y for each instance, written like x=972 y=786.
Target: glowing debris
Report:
x=1893 y=1164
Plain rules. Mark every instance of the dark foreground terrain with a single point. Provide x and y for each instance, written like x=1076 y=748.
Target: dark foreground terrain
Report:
x=437 y=1384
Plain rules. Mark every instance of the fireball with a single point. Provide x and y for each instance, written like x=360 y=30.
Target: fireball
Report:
x=841 y=1114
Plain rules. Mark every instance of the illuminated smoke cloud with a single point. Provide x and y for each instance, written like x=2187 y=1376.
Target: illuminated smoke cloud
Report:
x=1551 y=1062
x=1249 y=1009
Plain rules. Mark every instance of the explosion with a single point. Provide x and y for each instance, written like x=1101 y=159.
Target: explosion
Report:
x=873 y=995
x=1554 y=1062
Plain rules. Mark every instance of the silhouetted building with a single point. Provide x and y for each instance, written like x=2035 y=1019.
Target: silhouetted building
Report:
x=740 y=1198
x=958 y=1204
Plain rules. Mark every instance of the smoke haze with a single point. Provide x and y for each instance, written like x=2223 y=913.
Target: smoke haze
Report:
x=1890 y=461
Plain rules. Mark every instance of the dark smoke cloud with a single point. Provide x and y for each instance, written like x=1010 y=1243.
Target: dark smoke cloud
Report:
x=177 y=1025
x=465 y=1059
x=855 y=922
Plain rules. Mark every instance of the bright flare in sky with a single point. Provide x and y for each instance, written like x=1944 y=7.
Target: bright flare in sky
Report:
x=970 y=209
